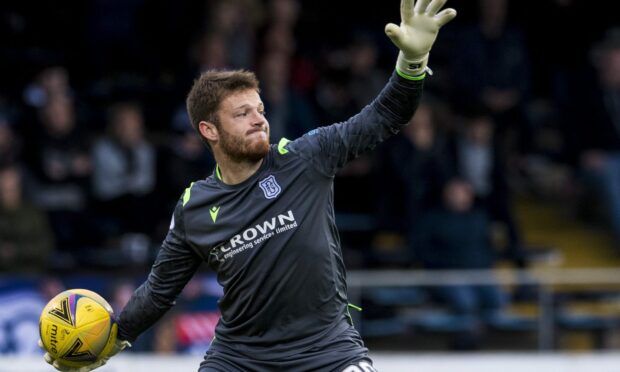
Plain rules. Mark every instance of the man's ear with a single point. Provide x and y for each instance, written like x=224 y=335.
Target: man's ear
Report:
x=208 y=130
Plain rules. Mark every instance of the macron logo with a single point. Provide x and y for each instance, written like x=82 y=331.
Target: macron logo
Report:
x=213 y=212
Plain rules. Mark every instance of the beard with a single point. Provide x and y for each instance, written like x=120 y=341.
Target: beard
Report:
x=244 y=149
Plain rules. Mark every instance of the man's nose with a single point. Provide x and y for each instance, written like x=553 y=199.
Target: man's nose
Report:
x=258 y=118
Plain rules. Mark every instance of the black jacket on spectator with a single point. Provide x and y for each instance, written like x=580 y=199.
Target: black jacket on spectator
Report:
x=409 y=182
x=451 y=240
x=588 y=119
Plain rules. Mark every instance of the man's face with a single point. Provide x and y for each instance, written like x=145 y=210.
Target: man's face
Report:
x=458 y=196
x=129 y=127
x=243 y=129
x=610 y=68
x=10 y=189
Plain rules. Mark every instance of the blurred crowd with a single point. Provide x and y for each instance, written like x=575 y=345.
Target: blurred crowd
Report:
x=96 y=146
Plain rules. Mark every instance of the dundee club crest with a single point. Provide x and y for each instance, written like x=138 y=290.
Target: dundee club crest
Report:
x=270 y=187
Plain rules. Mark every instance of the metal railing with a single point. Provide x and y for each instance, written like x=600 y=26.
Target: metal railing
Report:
x=547 y=281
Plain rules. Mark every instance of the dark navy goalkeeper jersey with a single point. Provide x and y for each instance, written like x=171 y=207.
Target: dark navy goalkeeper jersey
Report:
x=272 y=239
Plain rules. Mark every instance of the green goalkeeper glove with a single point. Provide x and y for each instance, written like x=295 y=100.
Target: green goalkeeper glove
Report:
x=420 y=23
x=109 y=351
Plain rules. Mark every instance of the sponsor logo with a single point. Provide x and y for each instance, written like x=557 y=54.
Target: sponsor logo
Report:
x=255 y=235
x=270 y=187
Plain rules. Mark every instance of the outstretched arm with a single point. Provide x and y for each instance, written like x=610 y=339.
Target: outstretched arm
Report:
x=175 y=264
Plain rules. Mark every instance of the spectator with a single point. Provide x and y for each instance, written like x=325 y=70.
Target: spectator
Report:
x=279 y=34
x=59 y=163
x=479 y=162
x=236 y=21
x=184 y=158
x=593 y=126
x=333 y=98
x=456 y=235
x=10 y=145
x=366 y=79
x=59 y=157
x=284 y=12
x=417 y=165
x=26 y=241
x=491 y=67
x=125 y=170
x=290 y=115
x=51 y=83
x=210 y=52
x=275 y=68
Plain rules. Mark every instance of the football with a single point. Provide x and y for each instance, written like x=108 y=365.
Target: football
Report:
x=77 y=327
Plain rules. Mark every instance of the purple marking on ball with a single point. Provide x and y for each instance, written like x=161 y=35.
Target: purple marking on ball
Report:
x=73 y=298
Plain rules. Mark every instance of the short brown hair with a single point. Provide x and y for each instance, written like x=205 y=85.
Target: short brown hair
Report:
x=210 y=89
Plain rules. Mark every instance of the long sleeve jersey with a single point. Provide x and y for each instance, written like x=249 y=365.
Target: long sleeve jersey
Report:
x=272 y=239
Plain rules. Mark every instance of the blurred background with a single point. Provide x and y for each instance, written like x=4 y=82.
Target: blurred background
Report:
x=508 y=176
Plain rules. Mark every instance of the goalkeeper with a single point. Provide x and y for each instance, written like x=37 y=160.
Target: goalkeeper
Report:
x=264 y=220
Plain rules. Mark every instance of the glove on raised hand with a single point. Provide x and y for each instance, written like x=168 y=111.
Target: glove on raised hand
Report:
x=420 y=23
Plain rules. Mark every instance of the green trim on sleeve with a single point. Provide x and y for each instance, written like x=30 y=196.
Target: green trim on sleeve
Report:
x=409 y=77
x=281 y=149
x=349 y=306
x=187 y=194
x=355 y=307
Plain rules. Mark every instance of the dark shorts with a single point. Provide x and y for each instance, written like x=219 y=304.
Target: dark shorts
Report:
x=346 y=350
